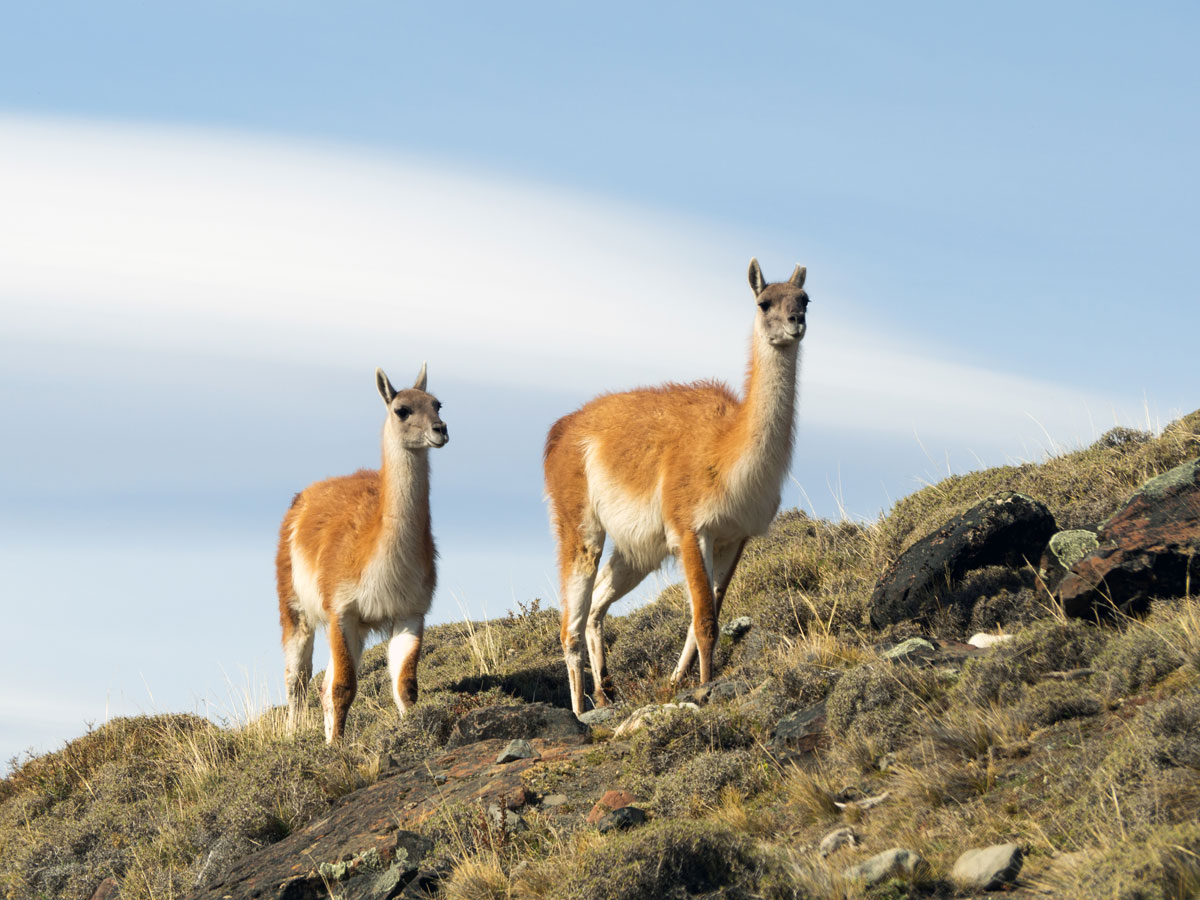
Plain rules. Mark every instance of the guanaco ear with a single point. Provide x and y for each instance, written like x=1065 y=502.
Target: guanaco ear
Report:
x=386 y=391
x=757 y=282
x=421 y=378
x=798 y=276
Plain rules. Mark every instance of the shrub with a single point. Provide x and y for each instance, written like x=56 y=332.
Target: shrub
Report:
x=1136 y=659
x=1056 y=701
x=879 y=702
x=1174 y=730
x=673 y=858
x=1045 y=646
x=668 y=740
x=698 y=782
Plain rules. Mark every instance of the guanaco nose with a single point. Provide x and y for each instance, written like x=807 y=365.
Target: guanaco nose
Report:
x=440 y=428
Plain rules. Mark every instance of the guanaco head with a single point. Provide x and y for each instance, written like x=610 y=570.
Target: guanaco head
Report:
x=414 y=420
x=781 y=306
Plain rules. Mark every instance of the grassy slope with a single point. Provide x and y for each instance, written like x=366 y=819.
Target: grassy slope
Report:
x=1098 y=778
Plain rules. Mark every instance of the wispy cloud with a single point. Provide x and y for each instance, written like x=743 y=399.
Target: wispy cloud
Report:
x=196 y=240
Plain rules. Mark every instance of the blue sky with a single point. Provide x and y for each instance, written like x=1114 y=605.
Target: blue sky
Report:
x=219 y=218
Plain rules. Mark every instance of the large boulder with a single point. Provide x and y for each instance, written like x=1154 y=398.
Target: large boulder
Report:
x=1006 y=528
x=1149 y=548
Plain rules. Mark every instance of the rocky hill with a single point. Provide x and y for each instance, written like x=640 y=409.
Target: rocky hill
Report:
x=996 y=686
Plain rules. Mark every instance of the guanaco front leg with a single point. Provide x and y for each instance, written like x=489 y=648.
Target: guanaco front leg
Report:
x=695 y=554
x=726 y=558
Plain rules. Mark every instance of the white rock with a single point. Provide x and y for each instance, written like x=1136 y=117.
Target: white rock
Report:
x=836 y=840
x=983 y=640
x=895 y=863
x=989 y=868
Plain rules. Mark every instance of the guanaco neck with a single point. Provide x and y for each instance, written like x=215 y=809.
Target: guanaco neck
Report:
x=404 y=491
x=766 y=420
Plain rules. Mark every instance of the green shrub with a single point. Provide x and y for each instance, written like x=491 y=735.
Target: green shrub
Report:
x=669 y=859
x=1174 y=729
x=1056 y=701
x=1136 y=659
x=1044 y=646
x=698 y=781
x=879 y=701
x=671 y=738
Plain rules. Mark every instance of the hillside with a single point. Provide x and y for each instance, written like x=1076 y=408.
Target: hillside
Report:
x=1077 y=740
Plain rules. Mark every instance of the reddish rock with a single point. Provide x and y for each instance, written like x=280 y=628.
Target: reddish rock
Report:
x=1006 y=527
x=610 y=802
x=382 y=817
x=1150 y=548
x=105 y=890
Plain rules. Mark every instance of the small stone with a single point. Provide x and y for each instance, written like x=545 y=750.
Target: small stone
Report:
x=517 y=749
x=989 y=868
x=440 y=779
x=803 y=731
x=895 y=863
x=982 y=640
x=728 y=690
x=620 y=819
x=735 y=628
x=506 y=819
x=106 y=889
x=836 y=840
x=913 y=650
x=553 y=800
x=865 y=803
x=598 y=716
x=610 y=802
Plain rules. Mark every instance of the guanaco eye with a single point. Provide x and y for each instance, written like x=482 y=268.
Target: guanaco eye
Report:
x=765 y=305
x=403 y=412
x=437 y=405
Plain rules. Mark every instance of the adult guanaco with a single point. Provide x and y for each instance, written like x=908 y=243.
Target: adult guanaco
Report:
x=690 y=470
x=356 y=555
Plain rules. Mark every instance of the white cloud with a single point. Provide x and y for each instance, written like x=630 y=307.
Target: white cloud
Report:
x=179 y=239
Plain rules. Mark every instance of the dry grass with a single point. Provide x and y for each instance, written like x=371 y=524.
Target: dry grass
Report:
x=1107 y=766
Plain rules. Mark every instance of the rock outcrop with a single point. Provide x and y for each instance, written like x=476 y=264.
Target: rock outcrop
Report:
x=1149 y=548
x=1006 y=528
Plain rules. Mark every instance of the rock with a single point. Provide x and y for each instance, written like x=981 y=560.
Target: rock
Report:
x=989 y=868
x=610 y=802
x=227 y=850
x=106 y=890
x=836 y=840
x=529 y=720
x=913 y=650
x=621 y=819
x=505 y=819
x=802 y=732
x=598 y=716
x=736 y=628
x=517 y=749
x=1149 y=548
x=641 y=716
x=983 y=640
x=865 y=803
x=368 y=838
x=550 y=801
x=895 y=863
x=1005 y=528
x=1064 y=550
